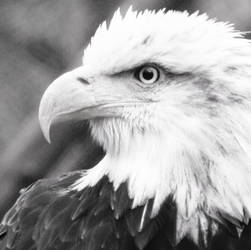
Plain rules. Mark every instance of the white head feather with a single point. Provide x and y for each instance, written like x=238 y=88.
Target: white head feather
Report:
x=193 y=138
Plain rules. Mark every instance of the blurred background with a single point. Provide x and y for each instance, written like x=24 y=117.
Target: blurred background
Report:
x=41 y=39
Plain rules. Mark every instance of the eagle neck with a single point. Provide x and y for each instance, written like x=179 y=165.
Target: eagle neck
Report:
x=142 y=160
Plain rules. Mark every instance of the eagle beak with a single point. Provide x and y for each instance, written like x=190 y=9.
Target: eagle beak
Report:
x=67 y=97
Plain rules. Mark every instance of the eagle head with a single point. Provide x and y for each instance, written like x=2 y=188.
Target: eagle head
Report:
x=168 y=97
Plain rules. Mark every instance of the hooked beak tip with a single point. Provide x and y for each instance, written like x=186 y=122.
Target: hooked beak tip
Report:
x=45 y=125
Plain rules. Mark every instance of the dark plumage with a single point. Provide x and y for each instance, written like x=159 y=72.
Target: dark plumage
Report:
x=96 y=218
x=48 y=215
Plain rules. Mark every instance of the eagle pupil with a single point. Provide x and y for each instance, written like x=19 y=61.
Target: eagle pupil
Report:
x=148 y=74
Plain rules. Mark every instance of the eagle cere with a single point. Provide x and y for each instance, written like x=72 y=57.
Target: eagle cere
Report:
x=168 y=97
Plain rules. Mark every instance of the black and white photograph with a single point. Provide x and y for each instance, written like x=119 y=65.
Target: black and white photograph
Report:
x=125 y=125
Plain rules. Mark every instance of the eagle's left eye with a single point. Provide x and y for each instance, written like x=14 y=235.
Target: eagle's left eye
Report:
x=148 y=74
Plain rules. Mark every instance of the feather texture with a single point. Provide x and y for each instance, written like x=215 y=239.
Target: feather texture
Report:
x=89 y=219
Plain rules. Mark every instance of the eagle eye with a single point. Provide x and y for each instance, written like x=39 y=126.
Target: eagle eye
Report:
x=147 y=74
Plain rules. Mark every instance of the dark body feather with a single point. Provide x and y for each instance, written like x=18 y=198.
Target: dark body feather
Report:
x=49 y=215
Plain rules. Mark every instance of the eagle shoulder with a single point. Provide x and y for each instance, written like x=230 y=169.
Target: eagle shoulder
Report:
x=51 y=215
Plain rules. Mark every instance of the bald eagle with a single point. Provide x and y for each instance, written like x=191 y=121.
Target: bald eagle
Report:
x=168 y=97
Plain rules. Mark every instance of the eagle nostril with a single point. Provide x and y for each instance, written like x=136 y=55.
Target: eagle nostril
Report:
x=82 y=80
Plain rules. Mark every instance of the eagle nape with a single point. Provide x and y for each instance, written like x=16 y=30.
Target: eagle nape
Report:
x=167 y=95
